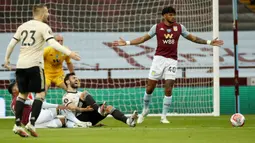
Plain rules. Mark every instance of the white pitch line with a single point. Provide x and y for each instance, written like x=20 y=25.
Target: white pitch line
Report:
x=154 y=129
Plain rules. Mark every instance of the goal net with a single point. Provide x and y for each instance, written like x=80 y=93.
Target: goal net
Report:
x=118 y=74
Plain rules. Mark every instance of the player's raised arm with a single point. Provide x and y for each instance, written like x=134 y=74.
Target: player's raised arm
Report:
x=49 y=38
x=69 y=65
x=138 y=40
x=198 y=40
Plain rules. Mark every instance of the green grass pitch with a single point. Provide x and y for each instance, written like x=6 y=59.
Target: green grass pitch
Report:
x=180 y=130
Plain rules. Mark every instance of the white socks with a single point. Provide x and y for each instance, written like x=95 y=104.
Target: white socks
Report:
x=146 y=100
x=128 y=121
x=70 y=124
x=166 y=105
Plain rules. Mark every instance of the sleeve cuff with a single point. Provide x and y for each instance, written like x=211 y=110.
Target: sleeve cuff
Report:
x=49 y=38
x=15 y=38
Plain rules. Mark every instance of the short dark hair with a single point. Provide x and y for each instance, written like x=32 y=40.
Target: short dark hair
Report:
x=37 y=7
x=10 y=87
x=168 y=9
x=68 y=76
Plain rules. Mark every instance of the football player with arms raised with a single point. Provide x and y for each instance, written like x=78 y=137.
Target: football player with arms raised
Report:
x=164 y=62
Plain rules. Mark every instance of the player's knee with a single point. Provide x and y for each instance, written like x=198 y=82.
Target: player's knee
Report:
x=150 y=86
x=83 y=96
x=149 y=89
x=168 y=91
x=110 y=109
x=23 y=95
x=62 y=119
x=55 y=123
x=40 y=95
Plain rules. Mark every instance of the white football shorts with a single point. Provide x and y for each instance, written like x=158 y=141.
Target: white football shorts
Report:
x=163 y=67
x=48 y=119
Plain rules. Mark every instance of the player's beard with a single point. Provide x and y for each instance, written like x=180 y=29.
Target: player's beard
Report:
x=74 y=86
x=171 y=22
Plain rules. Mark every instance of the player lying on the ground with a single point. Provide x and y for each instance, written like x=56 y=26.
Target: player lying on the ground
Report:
x=49 y=116
x=85 y=107
x=53 y=65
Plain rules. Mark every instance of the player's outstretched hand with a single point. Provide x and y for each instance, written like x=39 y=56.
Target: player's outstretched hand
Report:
x=217 y=42
x=121 y=42
x=61 y=107
x=75 y=56
x=7 y=64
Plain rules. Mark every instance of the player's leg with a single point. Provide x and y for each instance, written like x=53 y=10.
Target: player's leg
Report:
x=19 y=107
x=72 y=121
x=90 y=101
x=170 y=74
x=118 y=115
x=156 y=72
x=71 y=124
x=54 y=123
x=62 y=85
x=59 y=81
x=36 y=107
x=167 y=99
x=22 y=82
x=49 y=118
x=48 y=83
x=94 y=117
x=46 y=115
x=49 y=79
x=37 y=85
x=151 y=84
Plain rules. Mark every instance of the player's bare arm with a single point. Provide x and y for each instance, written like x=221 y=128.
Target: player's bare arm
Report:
x=74 y=108
x=10 y=48
x=53 y=43
x=198 y=40
x=70 y=67
x=136 y=41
